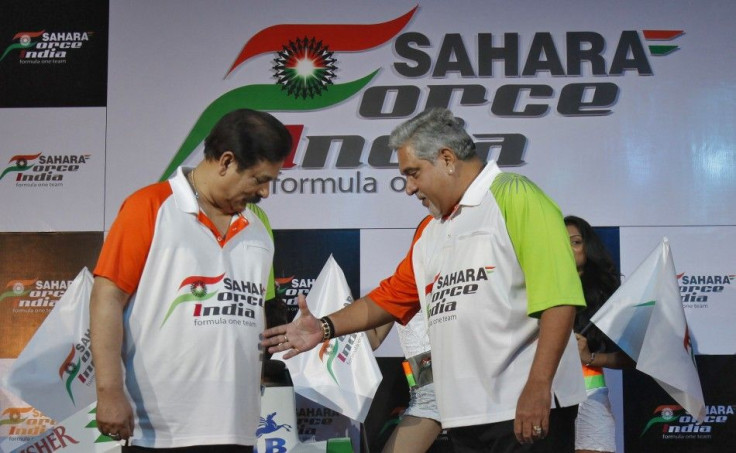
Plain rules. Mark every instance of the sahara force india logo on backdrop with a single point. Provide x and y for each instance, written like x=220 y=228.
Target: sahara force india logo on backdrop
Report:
x=34 y=295
x=42 y=47
x=288 y=288
x=233 y=302
x=697 y=291
x=42 y=170
x=305 y=69
x=304 y=66
x=23 y=422
x=675 y=423
x=47 y=436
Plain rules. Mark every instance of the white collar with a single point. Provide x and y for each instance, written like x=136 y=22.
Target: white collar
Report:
x=474 y=194
x=183 y=193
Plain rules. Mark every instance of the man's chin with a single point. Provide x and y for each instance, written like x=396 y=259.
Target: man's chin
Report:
x=241 y=206
x=434 y=212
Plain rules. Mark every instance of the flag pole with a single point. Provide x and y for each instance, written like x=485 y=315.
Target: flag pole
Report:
x=585 y=329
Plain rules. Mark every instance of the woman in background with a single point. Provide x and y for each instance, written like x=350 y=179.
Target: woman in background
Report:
x=419 y=425
x=595 y=426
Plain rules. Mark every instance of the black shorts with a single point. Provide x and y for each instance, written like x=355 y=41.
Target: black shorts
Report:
x=499 y=437
x=193 y=449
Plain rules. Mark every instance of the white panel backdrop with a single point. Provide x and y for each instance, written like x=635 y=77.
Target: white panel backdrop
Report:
x=72 y=140
x=663 y=155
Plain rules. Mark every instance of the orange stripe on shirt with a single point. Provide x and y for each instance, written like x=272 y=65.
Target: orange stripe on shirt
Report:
x=398 y=294
x=126 y=247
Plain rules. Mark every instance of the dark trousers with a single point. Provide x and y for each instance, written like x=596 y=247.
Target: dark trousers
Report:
x=499 y=437
x=194 y=449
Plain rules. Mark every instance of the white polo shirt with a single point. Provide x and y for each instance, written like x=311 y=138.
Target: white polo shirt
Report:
x=192 y=325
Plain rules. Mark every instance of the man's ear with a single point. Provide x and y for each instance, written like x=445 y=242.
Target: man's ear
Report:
x=226 y=159
x=447 y=156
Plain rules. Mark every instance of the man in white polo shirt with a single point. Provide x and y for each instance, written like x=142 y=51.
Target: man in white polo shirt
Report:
x=494 y=275
x=180 y=289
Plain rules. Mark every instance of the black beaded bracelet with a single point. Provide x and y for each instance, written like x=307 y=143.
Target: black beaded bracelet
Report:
x=328 y=329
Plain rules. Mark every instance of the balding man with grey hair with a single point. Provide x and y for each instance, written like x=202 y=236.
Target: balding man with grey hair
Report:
x=493 y=273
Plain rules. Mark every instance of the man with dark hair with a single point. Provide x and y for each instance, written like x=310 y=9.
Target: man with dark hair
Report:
x=493 y=274
x=180 y=289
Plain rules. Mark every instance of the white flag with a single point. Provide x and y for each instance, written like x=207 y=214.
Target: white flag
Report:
x=340 y=374
x=645 y=318
x=54 y=372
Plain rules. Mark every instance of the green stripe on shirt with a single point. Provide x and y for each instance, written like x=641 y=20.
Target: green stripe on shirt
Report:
x=537 y=230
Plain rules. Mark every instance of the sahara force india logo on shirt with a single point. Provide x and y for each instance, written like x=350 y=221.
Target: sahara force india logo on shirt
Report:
x=445 y=288
x=229 y=304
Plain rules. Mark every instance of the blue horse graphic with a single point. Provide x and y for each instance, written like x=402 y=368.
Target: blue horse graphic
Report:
x=267 y=425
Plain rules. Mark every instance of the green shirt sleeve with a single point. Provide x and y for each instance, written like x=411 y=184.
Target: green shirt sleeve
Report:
x=537 y=231
x=261 y=214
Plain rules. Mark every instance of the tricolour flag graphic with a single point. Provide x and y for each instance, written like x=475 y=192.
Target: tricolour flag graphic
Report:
x=324 y=39
x=20 y=162
x=646 y=319
x=340 y=37
x=342 y=374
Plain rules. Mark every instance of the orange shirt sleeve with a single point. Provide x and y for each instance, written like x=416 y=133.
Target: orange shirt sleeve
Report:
x=398 y=294
x=126 y=247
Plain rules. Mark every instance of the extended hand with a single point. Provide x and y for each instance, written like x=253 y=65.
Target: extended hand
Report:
x=298 y=336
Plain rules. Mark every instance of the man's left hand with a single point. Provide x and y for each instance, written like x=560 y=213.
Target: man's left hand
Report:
x=532 y=412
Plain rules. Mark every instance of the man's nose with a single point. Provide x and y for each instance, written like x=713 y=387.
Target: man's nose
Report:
x=264 y=191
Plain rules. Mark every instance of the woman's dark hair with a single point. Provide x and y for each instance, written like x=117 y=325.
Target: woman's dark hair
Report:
x=252 y=136
x=600 y=279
